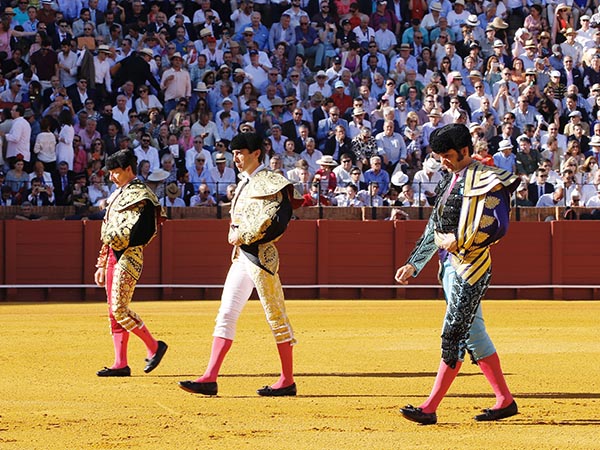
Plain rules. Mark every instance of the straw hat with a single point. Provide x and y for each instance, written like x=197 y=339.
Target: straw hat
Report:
x=327 y=160
x=500 y=24
x=158 y=175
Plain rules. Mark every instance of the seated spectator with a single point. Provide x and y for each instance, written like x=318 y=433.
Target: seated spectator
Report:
x=342 y=171
x=376 y=174
x=303 y=184
x=17 y=178
x=6 y=196
x=522 y=196
x=505 y=158
x=40 y=194
x=313 y=198
x=26 y=213
x=222 y=175
x=311 y=155
x=339 y=143
x=364 y=146
x=98 y=190
x=540 y=186
x=370 y=196
x=480 y=153
x=555 y=198
x=408 y=197
x=228 y=197
x=40 y=172
x=391 y=146
x=173 y=198
x=204 y=197
x=426 y=179
x=327 y=179
x=79 y=196
x=594 y=201
x=528 y=159
x=349 y=197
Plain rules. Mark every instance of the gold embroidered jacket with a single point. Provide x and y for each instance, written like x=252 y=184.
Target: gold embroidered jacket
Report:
x=260 y=214
x=132 y=216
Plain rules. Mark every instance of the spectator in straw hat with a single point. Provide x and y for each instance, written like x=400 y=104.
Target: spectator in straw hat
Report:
x=325 y=175
x=173 y=197
x=572 y=48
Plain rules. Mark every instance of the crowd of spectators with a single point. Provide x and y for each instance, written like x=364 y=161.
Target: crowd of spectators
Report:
x=345 y=94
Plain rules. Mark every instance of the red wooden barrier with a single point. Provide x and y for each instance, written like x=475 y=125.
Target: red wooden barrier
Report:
x=315 y=254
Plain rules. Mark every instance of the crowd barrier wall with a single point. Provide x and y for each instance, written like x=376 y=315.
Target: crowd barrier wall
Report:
x=330 y=259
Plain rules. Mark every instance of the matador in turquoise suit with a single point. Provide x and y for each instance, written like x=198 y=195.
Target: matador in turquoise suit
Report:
x=471 y=213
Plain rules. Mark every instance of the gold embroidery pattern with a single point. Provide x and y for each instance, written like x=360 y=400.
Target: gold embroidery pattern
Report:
x=491 y=202
x=271 y=297
x=102 y=257
x=269 y=257
x=123 y=212
x=117 y=231
x=254 y=216
x=481 y=237
x=486 y=221
x=126 y=273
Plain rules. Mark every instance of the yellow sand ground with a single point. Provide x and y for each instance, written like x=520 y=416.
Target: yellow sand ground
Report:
x=357 y=362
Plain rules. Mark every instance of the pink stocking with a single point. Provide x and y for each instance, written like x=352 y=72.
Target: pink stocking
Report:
x=120 y=340
x=443 y=380
x=286 y=379
x=144 y=334
x=220 y=347
x=490 y=366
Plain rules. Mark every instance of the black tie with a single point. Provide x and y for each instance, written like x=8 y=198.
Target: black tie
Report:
x=541 y=190
x=64 y=182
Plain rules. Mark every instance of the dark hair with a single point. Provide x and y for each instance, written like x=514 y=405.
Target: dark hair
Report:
x=454 y=136
x=65 y=117
x=122 y=160
x=20 y=109
x=251 y=141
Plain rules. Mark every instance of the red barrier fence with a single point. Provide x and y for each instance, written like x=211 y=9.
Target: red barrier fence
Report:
x=54 y=260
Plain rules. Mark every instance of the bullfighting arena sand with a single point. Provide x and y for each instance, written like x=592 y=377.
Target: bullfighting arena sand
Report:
x=357 y=362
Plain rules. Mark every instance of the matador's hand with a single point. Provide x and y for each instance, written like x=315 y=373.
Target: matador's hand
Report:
x=448 y=242
x=234 y=236
x=404 y=273
x=100 y=276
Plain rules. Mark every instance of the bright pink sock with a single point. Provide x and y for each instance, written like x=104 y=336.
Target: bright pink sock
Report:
x=286 y=356
x=220 y=347
x=144 y=334
x=490 y=366
x=120 y=340
x=443 y=380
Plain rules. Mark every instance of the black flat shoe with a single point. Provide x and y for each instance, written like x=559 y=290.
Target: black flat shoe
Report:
x=107 y=372
x=417 y=415
x=497 y=414
x=206 y=388
x=152 y=363
x=268 y=391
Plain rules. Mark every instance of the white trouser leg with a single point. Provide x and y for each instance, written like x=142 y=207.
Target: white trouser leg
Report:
x=236 y=292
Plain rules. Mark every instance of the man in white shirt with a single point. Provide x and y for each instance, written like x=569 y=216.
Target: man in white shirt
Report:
x=19 y=136
x=146 y=152
x=391 y=145
x=555 y=198
x=67 y=64
x=120 y=113
x=221 y=175
x=457 y=17
x=175 y=83
x=197 y=149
